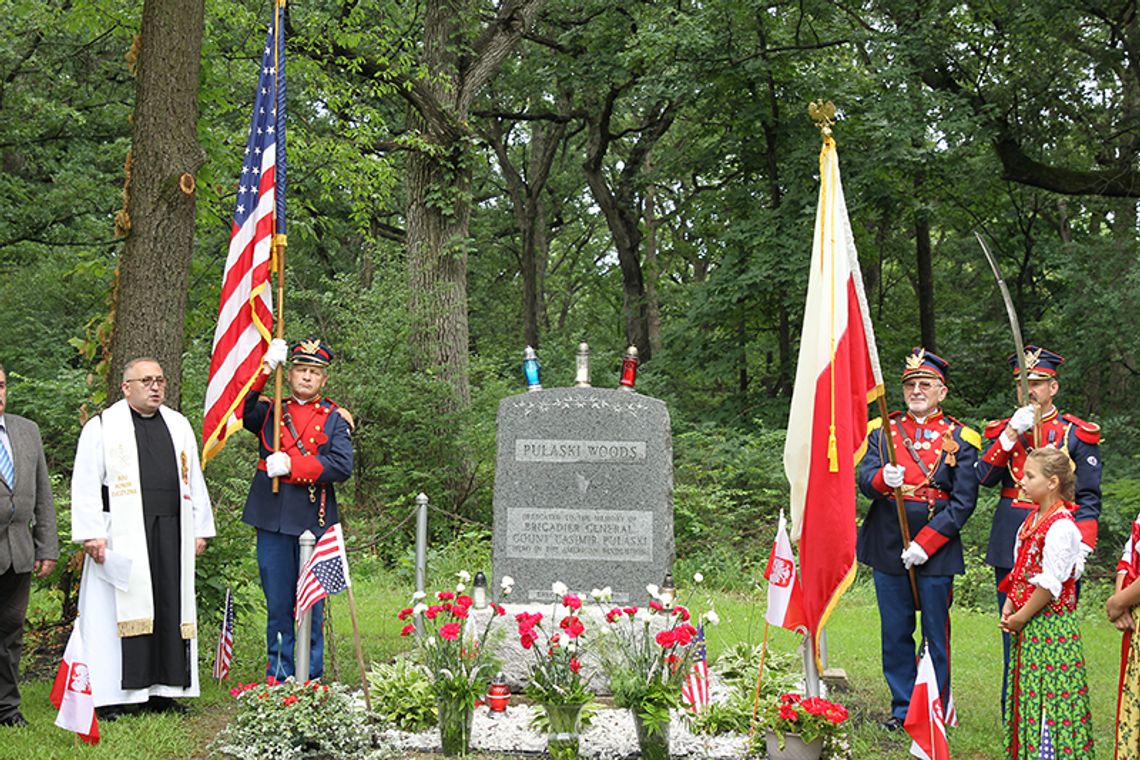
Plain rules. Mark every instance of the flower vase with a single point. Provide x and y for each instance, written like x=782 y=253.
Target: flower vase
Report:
x=455 y=717
x=652 y=737
x=564 y=723
x=794 y=747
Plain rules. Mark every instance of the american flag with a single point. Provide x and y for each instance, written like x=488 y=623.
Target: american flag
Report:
x=325 y=573
x=695 y=690
x=1046 y=750
x=224 y=654
x=245 y=308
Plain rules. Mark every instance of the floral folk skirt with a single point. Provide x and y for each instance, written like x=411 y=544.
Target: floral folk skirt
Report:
x=1048 y=690
x=1128 y=710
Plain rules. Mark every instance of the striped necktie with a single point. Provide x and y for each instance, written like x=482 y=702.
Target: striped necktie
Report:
x=7 y=469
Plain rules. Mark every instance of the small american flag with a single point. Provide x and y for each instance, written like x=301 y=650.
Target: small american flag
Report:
x=224 y=654
x=1046 y=751
x=695 y=690
x=325 y=573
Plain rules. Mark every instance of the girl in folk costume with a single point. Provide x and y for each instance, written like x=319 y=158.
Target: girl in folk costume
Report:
x=1122 y=611
x=1047 y=662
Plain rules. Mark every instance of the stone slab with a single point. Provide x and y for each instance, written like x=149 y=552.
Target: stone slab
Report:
x=583 y=493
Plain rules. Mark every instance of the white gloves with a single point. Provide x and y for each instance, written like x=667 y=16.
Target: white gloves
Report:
x=276 y=355
x=278 y=465
x=1022 y=419
x=914 y=555
x=893 y=475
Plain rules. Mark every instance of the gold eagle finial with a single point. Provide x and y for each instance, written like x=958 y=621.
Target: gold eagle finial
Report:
x=822 y=112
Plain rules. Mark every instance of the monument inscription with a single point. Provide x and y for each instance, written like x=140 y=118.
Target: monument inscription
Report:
x=583 y=492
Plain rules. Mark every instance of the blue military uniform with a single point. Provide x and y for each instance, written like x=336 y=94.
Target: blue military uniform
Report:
x=998 y=467
x=940 y=491
x=318 y=442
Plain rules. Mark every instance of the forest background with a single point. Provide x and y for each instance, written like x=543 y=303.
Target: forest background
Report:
x=467 y=178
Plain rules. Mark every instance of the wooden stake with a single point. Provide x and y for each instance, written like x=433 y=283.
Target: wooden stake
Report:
x=759 y=679
x=359 y=651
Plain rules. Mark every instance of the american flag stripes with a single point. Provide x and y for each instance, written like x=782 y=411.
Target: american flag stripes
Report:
x=245 y=308
x=325 y=573
x=224 y=653
x=695 y=690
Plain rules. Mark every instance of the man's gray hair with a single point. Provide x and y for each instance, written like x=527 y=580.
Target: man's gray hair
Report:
x=130 y=365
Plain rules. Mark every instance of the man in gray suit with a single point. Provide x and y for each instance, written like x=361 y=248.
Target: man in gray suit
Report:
x=28 y=541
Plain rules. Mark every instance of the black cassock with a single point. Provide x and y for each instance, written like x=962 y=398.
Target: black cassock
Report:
x=162 y=657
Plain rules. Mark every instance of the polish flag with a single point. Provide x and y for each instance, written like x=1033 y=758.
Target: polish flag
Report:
x=71 y=692
x=924 y=721
x=837 y=375
x=785 y=595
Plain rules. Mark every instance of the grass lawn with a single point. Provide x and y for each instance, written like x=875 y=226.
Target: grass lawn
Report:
x=853 y=643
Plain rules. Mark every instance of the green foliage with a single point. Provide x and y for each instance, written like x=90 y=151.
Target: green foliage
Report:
x=291 y=720
x=401 y=695
x=738 y=667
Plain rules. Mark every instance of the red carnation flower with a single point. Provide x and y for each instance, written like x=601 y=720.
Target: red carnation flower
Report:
x=404 y=613
x=574 y=627
x=432 y=611
x=572 y=602
x=666 y=638
x=683 y=612
x=527 y=638
x=465 y=600
x=575 y=665
x=459 y=611
x=613 y=615
x=656 y=606
x=445 y=595
x=407 y=630
x=450 y=631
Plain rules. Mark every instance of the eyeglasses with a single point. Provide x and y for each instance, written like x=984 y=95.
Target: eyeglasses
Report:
x=922 y=385
x=148 y=381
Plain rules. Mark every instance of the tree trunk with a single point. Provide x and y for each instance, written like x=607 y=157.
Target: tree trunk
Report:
x=439 y=209
x=925 y=288
x=154 y=271
x=652 y=271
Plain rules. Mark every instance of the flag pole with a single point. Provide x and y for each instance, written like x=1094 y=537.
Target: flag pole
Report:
x=278 y=249
x=359 y=651
x=900 y=504
x=759 y=679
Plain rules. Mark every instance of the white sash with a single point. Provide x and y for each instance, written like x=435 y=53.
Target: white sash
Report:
x=134 y=608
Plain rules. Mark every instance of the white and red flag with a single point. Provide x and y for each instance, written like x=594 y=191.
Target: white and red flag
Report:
x=245 y=307
x=924 y=719
x=837 y=375
x=71 y=692
x=785 y=594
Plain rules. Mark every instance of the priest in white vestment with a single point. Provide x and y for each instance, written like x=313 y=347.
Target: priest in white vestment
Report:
x=140 y=508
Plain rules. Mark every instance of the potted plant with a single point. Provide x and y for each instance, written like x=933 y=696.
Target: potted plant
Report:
x=556 y=682
x=797 y=728
x=451 y=649
x=647 y=669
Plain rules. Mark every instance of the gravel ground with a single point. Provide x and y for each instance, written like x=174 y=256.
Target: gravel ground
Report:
x=610 y=736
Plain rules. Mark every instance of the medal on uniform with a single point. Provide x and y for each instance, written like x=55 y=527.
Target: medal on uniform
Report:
x=950 y=446
x=185 y=469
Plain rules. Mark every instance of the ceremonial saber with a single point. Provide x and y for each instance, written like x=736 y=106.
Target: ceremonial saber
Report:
x=1015 y=326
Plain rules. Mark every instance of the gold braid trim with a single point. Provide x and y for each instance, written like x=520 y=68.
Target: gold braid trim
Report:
x=139 y=627
x=189 y=631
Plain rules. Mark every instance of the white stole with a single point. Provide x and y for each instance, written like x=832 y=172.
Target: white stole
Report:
x=134 y=608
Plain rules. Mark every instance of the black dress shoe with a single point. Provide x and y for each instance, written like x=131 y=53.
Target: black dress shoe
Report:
x=892 y=724
x=108 y=713
x=15 y=720
x=164 y=705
